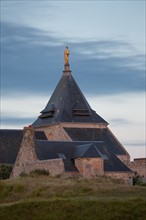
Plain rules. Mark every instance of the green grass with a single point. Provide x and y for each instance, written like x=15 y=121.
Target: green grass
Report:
x=75 y=209
x=42 y=198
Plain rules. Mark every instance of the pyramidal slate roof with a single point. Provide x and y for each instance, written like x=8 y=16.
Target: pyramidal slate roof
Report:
x=67 y=151
x=97 y=134
x=67 y=104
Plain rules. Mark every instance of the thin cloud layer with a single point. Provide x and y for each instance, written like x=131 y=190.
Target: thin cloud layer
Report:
x=32 y=60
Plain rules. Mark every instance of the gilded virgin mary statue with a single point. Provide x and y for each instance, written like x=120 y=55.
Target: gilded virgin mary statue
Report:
x=66 y=56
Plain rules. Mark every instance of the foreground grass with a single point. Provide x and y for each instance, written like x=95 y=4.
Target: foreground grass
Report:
x=49 y=198
x=75 y=209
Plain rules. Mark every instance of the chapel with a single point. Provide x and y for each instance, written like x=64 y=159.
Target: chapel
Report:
x=70 y=137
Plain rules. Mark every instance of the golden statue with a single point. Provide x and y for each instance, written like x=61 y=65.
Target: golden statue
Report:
x=66 y=56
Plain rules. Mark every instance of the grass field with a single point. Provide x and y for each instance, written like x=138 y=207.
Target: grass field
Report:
x=47 y=198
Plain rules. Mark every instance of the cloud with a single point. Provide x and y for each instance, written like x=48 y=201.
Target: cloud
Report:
x=118 y=121
x=21 y=109
x=32 y=60
x=135 y=144
x=136 y=152
x=136 y=149
x=18 y=122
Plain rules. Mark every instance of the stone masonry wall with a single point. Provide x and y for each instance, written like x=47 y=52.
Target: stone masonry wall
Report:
x=54 y=167
x=55 y=133
x=125 y=176
x=26 y=153
x=89 y=167
x=139 y=166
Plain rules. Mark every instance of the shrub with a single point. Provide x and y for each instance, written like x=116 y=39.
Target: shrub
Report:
x=39 y=172
x=137 y=179
x=35 y=173
x=5 y=171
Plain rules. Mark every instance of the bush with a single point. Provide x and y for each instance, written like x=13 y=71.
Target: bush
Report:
x=138 y=180
x=36 y=173
x=39 y=172
x=5 y=171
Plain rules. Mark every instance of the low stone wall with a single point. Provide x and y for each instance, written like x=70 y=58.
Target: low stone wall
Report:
x=139 y=166
x=54 y=167
x=126 y=177
x=89 y=167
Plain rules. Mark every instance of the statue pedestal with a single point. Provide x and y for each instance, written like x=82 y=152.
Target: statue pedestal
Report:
x=66 y=69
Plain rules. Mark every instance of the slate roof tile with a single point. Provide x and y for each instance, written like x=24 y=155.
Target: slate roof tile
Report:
x=10 y=141
x=67 y=104
x=51 y=149
x=96 y=134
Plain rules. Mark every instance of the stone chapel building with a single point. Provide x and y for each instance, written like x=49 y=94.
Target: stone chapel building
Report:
x=70 y=137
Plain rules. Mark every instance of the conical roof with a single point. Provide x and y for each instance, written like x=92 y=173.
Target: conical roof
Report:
x=67 y=104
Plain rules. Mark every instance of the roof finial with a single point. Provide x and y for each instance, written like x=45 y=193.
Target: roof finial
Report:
x=66 y=56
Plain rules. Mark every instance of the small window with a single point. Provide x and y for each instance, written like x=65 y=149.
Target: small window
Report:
x=47 y=114
x=81 y=112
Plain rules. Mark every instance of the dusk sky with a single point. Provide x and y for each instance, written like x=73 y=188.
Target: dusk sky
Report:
x=106 y=40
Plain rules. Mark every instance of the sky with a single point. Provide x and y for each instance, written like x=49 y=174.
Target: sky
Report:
x=106 y=40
